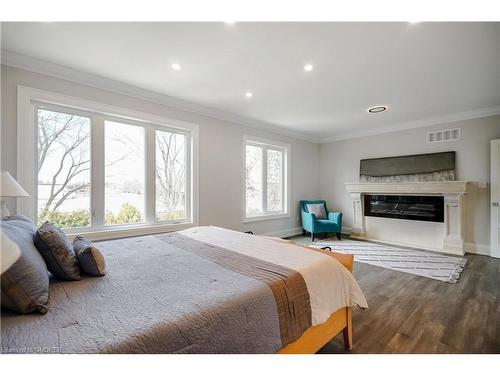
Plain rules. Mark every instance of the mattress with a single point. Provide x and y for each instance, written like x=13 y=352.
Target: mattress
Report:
x=202 y=290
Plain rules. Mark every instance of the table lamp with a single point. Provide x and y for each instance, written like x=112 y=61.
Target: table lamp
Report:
x=9 y=188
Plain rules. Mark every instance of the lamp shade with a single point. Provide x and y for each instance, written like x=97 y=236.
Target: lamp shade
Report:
x=9 y=186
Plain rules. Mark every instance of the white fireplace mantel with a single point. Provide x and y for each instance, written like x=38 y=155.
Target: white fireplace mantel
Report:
x=449 y=239
x=434 y=187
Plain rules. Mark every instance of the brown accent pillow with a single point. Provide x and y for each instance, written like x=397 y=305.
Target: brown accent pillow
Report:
x=57 y=251
x=89 y=257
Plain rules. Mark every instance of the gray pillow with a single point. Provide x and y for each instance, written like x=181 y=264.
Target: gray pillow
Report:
x=89 y=257
x=318 y=209
x=25 y=285
x=57 y=251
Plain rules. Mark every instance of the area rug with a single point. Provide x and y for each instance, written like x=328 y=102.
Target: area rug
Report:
x=421 y=263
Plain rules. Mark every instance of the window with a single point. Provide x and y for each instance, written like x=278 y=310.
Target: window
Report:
x=171 y=182
x=102 y=169
x=266 y=185
x=124 y=176
x=63 y=168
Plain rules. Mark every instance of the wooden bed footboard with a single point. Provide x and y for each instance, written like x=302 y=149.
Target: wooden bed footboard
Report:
x=340 y=321
x=317 y=336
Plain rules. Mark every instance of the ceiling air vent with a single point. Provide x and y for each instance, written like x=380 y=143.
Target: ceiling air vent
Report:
x=444 y=135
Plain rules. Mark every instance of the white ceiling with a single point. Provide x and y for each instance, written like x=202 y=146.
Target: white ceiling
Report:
x=421 y=71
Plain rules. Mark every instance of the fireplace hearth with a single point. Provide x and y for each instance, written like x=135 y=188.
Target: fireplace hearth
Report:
x=407 y=207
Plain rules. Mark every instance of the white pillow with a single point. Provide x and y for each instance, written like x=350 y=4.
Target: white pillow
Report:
x=318 y=209
x=9 y=252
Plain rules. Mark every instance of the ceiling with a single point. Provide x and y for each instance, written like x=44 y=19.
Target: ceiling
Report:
x=422 y=71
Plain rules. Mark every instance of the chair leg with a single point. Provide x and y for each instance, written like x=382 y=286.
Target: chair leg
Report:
x=312 y=236
x=338 y=236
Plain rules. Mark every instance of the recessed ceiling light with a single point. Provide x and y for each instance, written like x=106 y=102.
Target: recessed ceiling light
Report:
x=229 y=22
x=248 y=94
x=175 y=66
x=413 y=22
x=377 y=109
x=308 y=67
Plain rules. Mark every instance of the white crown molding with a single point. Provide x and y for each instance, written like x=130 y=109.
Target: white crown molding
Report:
x=44 y=67
x=431 y=121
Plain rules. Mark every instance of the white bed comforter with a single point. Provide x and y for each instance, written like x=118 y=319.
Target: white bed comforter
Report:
x=331 y=286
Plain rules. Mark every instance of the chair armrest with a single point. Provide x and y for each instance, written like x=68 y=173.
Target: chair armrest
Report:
x=335 y=217
x=308 y=220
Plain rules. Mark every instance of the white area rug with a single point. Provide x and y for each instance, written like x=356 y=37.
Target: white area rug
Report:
x=422 y=263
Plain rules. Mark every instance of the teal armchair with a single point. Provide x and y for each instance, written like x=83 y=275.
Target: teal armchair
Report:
x=332 y=224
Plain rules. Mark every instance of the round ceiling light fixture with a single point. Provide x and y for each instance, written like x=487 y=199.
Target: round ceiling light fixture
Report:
x=308 y=67
x=176 y=66
x=248 y=94
x=378 y=109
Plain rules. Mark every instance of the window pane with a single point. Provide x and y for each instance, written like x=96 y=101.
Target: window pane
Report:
x=170 y=176
x=253 y=180
x=274 y=181
x=63 y=169
x=124 y=174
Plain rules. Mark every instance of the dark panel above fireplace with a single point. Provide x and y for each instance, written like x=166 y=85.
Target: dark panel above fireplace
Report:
x=407 y=207
x=439 y=166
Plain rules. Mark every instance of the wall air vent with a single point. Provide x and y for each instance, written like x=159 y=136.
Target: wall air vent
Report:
x=444 y=135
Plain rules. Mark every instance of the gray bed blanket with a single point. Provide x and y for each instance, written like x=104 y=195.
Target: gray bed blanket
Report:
x=165 y=294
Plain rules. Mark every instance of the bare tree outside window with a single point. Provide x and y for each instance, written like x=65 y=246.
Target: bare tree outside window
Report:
x=253 y=180
x=264 y=179
x=63 y=168
x=274 y=181
x=124 y=196
x=170 y=176
x=64 y=175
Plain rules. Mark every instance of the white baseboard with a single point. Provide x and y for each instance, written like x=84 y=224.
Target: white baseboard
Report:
x=346 y=229
x=296 y=231
x=475 y=248
x=284 y=232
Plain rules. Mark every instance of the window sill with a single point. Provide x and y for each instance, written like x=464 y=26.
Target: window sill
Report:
x=251 y=219
x=127 y=231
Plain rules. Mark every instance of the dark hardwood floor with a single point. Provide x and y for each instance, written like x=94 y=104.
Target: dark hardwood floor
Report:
x=413 y=314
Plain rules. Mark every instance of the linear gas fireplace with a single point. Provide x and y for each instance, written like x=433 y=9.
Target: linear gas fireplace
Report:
x=408 y=207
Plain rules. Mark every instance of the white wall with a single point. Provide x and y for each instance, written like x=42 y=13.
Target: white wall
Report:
x=221 y=164
x=339 y=163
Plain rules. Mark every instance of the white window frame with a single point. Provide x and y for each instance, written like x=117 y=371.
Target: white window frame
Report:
x=28 y=100
x=268 y=144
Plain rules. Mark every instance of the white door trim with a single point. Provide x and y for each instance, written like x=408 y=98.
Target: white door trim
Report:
x=495 y=198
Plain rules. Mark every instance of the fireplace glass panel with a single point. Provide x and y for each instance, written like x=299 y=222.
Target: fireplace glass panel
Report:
x=422 y=208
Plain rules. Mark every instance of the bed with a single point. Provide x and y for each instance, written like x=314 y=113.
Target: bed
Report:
x=202 y=290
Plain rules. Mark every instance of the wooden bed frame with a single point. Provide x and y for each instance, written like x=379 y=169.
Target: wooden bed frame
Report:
x=317 y=336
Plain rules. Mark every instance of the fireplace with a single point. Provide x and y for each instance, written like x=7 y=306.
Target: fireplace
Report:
x=408 y=207
x=439 y=203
